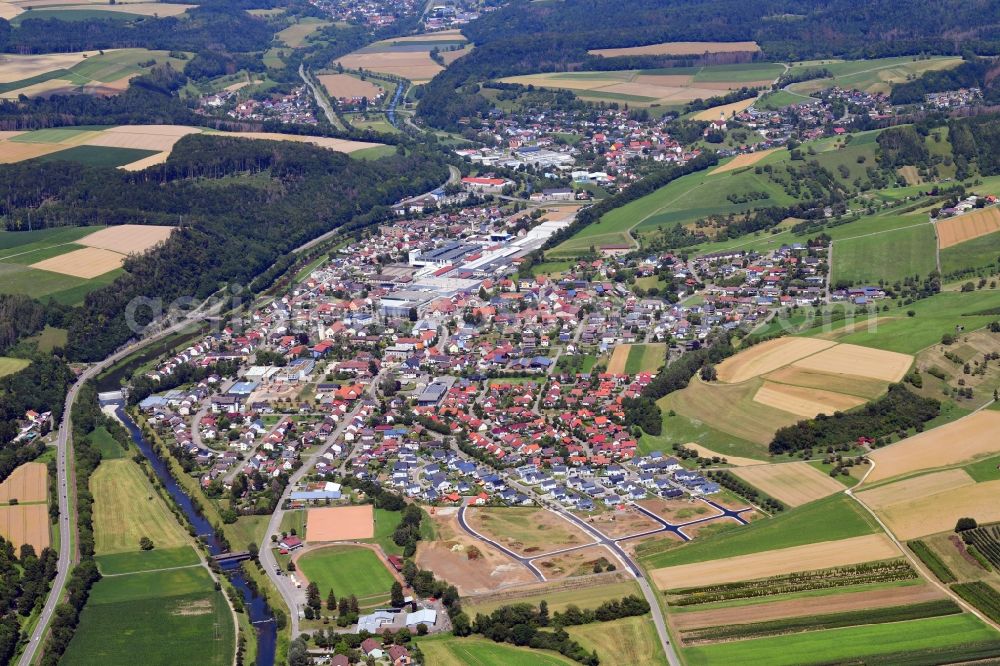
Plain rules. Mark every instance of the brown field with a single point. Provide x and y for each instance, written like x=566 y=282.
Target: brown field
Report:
x=339 y=145
x=451 y=56
x=726 y=111
x=863 y=387
x=345 y=85
x=776 y=562
x=127 y=238
x=574 y=563
x=448 y=556
x=17 y=67
x=911 y=175
x=915 y=488
x=25 y=523
x=970 y=437
x=160 y=9
x=88 y=262
x=108 y=88
x=732 y=460
x=937 y=513
x=837 y=603
x=152 y=160
x=807 y=402
x=9 y=11
x=794 y=483
x=453 y=35
x=620 y=524
x=740 y=161
x=678 y=48
x=527 y=531
x=26 y=484
x=862 y=361
x=677 y=511
x=616 y=366
x=959 y=229
x=416 y=66
x=340 y=523
x=767 y=356
x=142 y=137
x=13 y=151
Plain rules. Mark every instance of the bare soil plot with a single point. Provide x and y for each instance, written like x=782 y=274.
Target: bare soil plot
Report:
x=339 y=145
x=574 y=563
x=127 y=238
x=837 y=603
x=416 y=66
x=632 y=545
x=710 y=527
x=960 y=441
x=18 y=67
x=619 y=357
x=26 y=484
x=915 y=488
x=725 y=111
x=142 y=137
x=525 y=530
x=737 y=461
x=87 y=263
x=677 y=511
x=959 y=229
x=810 y=557
x=620 y=524
x=938 y=513
x=678 y=48
x=25 y=523
x=794 y=483
x=740 y=161
x=12 y=151
x=340 y=523
x=347 y=86
x=767 y=356
x=862 y=361
x=807 y=402
x=863 y=387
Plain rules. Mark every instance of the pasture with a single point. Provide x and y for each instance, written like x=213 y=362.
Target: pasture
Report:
x=26 y=484
x=795 y=483
x=452 y=651
x=340 y=523
x=678 y=48
x=8 y=365
x=127 y=508
x=25 y=523
x=525 y=530
x=630 y=640
x=347 y=570
x=873 y=76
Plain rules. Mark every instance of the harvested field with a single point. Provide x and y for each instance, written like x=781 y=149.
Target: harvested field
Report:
x=347 y=86
x=960 y=441
x=127 y=238
x=810 y=557
x=806 y=402
x=726 y=110
x=574 y=563
x=160 y=9
x=896 y=596
x=677 y=511
x=13 y=151
x=965 y=227
x=340 y=523
x=25 y=523
x=678 y=48
x=740 y=161
x=861 y=361
x=9 y=11
x=794 y=483
x=339 y=145
x=767 y=356
x=18 y=67
x=451 y=56
x=142 y=137
x=917 y=487
x=633 y=86
x=862 y=387
x=86 y=263
x=732 y=460
x=620 y=524
x=26 y=484
x=937 y=513
x=454 y=35
x=619 y=357
x=416 y=66
x=152 y=160
x=526 y=530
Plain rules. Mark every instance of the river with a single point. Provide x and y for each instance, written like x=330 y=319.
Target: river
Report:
x=257 y=608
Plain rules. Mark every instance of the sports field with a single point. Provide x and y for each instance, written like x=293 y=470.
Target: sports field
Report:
x=630 y=640
x=678 y=48
x=340 y=523
x=452 y=651
x=26 y=484
x=347 y=570
x=794 y=483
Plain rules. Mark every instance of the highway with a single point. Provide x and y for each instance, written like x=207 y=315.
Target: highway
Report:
x=65 y=475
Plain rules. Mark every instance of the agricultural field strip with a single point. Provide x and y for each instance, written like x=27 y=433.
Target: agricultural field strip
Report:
x=793 y=483
x=930 y=514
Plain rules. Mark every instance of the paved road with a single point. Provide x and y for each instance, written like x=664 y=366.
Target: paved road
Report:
x=64 y=476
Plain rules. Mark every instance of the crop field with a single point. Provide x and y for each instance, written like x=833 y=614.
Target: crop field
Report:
x=981 y=595
x=805 y=402
x=645 y=358
x=145 y=607
x=794 y=483
x=26 y=484
x=841 y=384
x=452 y=651
x=99 y=156
x=9 y=366
x=526 y=530
x=137 y=561
x=957 y=442
x=892 y=256
x=85 y=263
x=25 y=523
x=559 y=595
x=767 y=356
x=347 y=86
x=411 y=61
x=874 y=76
x=740 y=161
x=862 y=361
x=961 y=228
x=619 y=358
x=347 y=570
x=340 y=523
x=630 y=640
x=127 y=238
x=809 y=557
x=678 y=48
x=938 y=512
x=917 y=487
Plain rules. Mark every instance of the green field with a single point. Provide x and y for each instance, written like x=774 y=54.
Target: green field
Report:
x=451 y=651
x=889 y=256
x=100 y=156
x=147 y=560
x=630 y=640
x=558 y=600
x=17 y=242
x=679 y=429
x=296 y=34
x=9 y=366
x=50 y=338
x=373 y=153
x=76 y=15
x=744 y=73
x=645 y=358
x=102 y=68
x=835 y=517
x=976 y=253
x=952 y=638
x=872 y=75
x=347 y=570
x=108 y=446
x=987 y=469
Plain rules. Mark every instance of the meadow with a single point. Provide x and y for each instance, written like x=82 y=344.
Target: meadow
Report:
x=889 y=256
x=451 y=651
x=971 y=254
x=9 y=366
x=558 y=599
x=347 y=570
x=630 y=640
x=645 y=358
x=874 y=76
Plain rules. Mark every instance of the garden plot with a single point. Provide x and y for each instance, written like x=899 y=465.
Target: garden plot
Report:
x=959 y=229
x=794 y=483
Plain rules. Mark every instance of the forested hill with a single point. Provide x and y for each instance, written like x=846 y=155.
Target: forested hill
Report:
x=234 y=228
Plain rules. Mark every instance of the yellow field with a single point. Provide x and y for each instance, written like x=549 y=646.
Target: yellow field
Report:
x=732 y=460
x=678 y=48
x=917 y=487
x=142 y=137
x=777 y=562
x=12 y=151
x=161 y=9
x=960 y=441
x=9 y=11
x=347 y=86
x=152 y=160
x=959 y=229
x=26 y=484
x=767 y=356
x=631 y=641
x=740 y=161
x=25 y=523
x=794 y=483
x=127 y=508
x=655 y=88
x=860 y=361
x=451 y=56
x=849 y=384
x=939 y=512
x=17 y=67
x=88 y=262
x=616 y=366
x=416 y=66
x=440 y=36
x=806 y=402
x=127 y=238
x=338 y=145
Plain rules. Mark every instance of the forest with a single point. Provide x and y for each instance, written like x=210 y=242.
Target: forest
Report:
x=25 y=577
